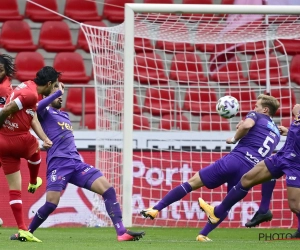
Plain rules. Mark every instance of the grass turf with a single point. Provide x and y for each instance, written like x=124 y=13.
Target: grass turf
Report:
x=155 y=239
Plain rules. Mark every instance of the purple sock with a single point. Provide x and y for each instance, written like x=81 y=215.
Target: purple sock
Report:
x=113 y=209
x=41 y=215
x=175 y=194
x=266 y=195
x=209 y=226
x=298 y=216
x=237 y=193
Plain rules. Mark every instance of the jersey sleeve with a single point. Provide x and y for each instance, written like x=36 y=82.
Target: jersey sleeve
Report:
x=252 y=115
x=44 y=103
x=27 y=99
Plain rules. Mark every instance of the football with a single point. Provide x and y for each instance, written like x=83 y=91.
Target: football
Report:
x=227 y=106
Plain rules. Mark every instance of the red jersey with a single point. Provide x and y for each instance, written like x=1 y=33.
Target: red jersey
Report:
x=26 y=97
x=5 y=91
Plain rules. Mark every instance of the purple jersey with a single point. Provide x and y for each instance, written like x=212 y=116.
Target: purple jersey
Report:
x=57 y=126
x=260 y=141
x=291 y=147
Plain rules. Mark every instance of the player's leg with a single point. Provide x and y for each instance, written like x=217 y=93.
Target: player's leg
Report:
x=264 y=213
x=210 y=177
x=257 y=175
x=209 y=226
x=52 y=200
x=94 y=181
x=33 y=157
x=292 y=171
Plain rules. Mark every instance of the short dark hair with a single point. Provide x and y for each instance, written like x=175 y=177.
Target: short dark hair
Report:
x=45 y=75
x=9 y=66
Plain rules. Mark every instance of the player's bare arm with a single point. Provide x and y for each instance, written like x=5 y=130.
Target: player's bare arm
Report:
x=242 y=130
x=37 y=128
x=8 y=110
x=296 y=110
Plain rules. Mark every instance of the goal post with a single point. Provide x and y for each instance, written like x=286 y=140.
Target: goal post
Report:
x=164 y=69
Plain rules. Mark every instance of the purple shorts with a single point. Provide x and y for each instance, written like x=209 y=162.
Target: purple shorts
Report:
x=228 y=169
x=279 y=166
x=62 y=171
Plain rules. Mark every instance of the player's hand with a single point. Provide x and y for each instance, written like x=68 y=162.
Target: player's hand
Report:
x=283 y=130
x=61 y=87
x=231 y=140
x=296 y=110
x=47 y=143
x=239 y=124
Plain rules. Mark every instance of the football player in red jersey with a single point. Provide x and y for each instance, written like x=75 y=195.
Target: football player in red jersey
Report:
x=16 y=142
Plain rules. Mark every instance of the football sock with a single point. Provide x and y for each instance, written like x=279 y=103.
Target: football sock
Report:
x=41 y=215
x=237 y=193
x=298 y=216
x=34 y=166
x=175 y=194
x=113 y=209
x=15 y=202
x=266 y=195
x=209 y=226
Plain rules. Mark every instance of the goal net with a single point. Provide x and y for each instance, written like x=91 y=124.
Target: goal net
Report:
x=156 y=104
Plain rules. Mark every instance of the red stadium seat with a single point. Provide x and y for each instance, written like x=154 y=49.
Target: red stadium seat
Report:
x=114 y=101
x=55 y=36
x=9 y=10
x=170 y=29
x=257 y=72
x=27 y=64
x=140 y=122
x=197 y=17
x=38 y=14
x=73 y=72
x=90 y=122
x=186 y=68
x=149 y=69
x=227 y=1
x=295 y=69
x=252 y=47
x=113 y=10
x=109 y=68
x=286 y=121
x=245 y=96
x=159 y=101
x=82 y=42
x=200 y=100
x=287 y=100
x=16 y=36
x=74 y=102
x=159 y=1
x=82 y=11
x=230 y=72
x=170 y=122
x=287 y=46
x=213 y=122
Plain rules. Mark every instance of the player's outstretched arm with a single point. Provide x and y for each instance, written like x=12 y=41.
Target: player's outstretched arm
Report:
x=242 y=130
x=37 y=128
x=9 y=109
x=43 y=104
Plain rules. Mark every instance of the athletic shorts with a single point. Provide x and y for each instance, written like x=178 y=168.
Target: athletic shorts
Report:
x=62 y=171
x=279 y=166
x=15 y=147
x=229 y=169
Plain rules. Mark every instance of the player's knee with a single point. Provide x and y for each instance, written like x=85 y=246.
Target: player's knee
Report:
x=196 y=182
x=246 y=181
x=294 y=206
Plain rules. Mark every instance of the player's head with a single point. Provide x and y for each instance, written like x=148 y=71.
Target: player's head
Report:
x=7 y=67
x=267 y=105
x=45 y=79
x=57 y=103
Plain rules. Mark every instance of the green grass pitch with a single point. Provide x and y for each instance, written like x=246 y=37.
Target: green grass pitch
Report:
x=155 y=239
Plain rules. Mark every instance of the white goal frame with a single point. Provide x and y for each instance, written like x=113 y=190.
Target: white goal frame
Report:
x=130 y=10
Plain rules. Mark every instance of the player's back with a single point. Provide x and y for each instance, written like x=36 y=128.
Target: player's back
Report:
x=25 y=96
x=260 y=141
x=291 y=148
x=5 y=91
